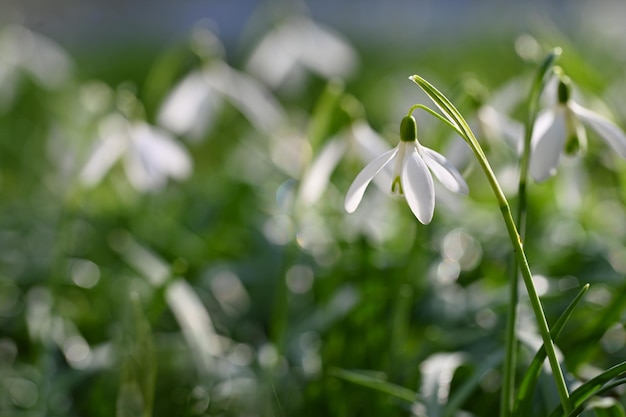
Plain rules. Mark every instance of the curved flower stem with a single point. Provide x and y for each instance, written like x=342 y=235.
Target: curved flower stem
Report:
x=436 y=115
x=453 y=115
x=508 y=379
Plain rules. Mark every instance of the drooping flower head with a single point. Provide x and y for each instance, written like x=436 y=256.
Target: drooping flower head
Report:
x=560 y=130
x=411 y=177
x=151 y=156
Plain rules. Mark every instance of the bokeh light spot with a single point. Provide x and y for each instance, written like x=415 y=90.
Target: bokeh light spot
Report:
x=23 y=392
x=299 y=279
x=85 y=273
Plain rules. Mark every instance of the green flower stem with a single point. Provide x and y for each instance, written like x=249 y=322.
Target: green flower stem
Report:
x=508 y=379
x=530 y=287
x=507 y=394
x=436 y=115
x=453 y=115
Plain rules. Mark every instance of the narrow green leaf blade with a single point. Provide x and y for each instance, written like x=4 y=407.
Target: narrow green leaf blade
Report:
x=525 y=394
x=595 y=386
x=376 y=383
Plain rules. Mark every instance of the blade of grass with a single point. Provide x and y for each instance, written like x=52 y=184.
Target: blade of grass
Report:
x=376 y=383
x=595 y=386
x=583 y=403
x=525 y=394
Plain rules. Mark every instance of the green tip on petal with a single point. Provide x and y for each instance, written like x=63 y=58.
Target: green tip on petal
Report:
x=408 y=129
x=576 y=142
x=396 y=186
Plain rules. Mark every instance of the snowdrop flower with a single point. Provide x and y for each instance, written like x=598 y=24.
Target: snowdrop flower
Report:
x=191 y=106
x=150 y=155
x=560 y=130
x=358 y=138
x=490 y=120
x=299 y=43
x=411 y=177
x=23 y=52
x=190 y=109
x=494 y=126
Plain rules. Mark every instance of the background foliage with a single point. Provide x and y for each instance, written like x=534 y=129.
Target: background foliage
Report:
x=231 y=291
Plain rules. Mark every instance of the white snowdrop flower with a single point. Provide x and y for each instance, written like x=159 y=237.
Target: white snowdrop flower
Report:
x=150 y=155
x=494 y=126
x=491 y=118
x=359 y=138
x=26 y=54
x=192 y=105
x=490 y=121
x=44 y=60
x=300 y=43
x=560 y=130
x=411 y=177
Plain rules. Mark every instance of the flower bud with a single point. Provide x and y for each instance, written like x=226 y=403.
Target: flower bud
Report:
x=408 y=129
x=564 y=89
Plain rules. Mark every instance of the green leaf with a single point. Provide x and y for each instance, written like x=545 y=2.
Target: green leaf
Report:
x=451 y=113
x=376 y=383
x=324 y=113
x=522 y=406
x=136 y=394
x=595 y=386
x=440 y=101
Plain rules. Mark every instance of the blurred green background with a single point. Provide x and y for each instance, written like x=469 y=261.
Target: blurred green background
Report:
x=172 y=234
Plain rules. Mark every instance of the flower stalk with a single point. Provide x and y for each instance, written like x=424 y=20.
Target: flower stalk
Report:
x=510 y=358
x=455 y=118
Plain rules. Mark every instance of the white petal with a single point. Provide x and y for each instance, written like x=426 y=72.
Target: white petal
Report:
x=360 y=183
x=299 y=42
x=316 y=179
x=322 y=50
x=106 y=153
x=369 y=144
x=190 y=104
x=49 y=64
x=500 y=126
x=445 y=172
x=154 y=157
x=251 y=97
x=607 y=130
x=272 y=61
x=418 y=186
x=547 y=143
x=458 y=151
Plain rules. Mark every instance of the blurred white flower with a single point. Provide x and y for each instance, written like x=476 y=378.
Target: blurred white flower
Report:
x=191 y=107
x=411 y=176
x=560 y=130
x=150 y=155
x=490 y=120
x=25 y=52
x=493 y=126
x=299 y=42
x=359 y=138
